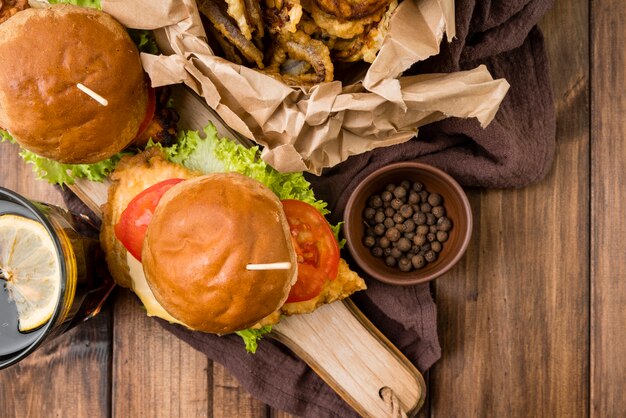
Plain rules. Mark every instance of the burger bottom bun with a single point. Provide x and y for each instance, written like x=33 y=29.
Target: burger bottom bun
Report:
x=203 y=234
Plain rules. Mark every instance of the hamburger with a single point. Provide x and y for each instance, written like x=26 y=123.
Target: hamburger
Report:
x=182 y=224
x=72 y=88
x=204 y=233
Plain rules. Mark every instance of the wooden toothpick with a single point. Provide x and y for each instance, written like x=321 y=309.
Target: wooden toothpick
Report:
x=270 y=266
x=89 y=92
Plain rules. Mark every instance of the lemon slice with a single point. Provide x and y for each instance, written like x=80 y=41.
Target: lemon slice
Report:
x=30 y=267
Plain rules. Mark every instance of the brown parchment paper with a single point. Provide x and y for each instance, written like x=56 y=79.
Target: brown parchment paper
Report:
x=309 y=129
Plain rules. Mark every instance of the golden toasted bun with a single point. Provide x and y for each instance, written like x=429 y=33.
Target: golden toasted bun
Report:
x=133 y=175
x=44 y=54
x=202 y=235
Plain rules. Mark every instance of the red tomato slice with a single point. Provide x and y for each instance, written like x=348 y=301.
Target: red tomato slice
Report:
x=150 y=109
x=133 y=224
x=316 y=248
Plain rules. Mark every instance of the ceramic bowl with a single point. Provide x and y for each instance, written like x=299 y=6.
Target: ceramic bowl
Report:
x=435 y=181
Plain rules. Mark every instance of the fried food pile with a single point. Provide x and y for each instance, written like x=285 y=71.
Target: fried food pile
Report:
x=9 y=7
x=297 y=41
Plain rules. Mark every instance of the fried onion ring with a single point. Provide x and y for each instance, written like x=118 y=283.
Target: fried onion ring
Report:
x=285 y=18
x=256 y=20
x=341 y=28
x=365 y=46
x=237 y=10
x=299 y=46
x=352 y=9
x=213 y=12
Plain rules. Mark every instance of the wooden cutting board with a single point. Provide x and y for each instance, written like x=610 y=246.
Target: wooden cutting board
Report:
x=337 y=340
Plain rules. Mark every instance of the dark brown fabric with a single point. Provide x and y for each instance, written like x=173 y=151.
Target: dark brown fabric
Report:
x=515 y=150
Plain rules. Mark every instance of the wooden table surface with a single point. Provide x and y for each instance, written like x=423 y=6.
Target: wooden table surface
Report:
x=532 y=321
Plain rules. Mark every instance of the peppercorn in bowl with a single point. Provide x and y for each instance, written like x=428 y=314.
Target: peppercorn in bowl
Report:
x=407 y=223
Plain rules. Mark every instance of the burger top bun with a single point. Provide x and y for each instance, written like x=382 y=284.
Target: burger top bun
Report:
x=202 y=235
x=44 y=54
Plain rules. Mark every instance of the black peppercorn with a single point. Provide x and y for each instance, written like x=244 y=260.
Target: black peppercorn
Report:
x=418 y=261
x=435 y=199
x=392 y=234
x=419 y=240
x=422 y=230
x=442 y=236
x=438 y=211
x=399 y=192
x=369 y=242
x=430 y=256
x=376 y=202
x=396 y=253
x=383 y=242
x=419 y=218
x=444 y=224
x=405 y=265
x=406 y=211
x=403 y=244
x=406 y=225
x=409 y=225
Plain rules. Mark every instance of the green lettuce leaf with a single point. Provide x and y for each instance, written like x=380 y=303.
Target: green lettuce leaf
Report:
x=251 y=337
x=206 y=152
x=145 y=40
x=58 y=173
x=94 y=4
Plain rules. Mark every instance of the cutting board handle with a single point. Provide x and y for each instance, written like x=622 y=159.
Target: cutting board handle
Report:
x=354 y=358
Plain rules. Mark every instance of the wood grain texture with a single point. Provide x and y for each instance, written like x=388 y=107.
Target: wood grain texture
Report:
x=513 y=316
x=71 y=372
x=231 y=400
x=608 y=206
x=531 y=322
x=154 y=373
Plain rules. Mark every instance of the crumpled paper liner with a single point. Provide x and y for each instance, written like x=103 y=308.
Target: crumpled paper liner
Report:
x=309 y=129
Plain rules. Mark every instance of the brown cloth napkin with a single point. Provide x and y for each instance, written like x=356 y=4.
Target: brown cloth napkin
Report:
x=515 y=150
